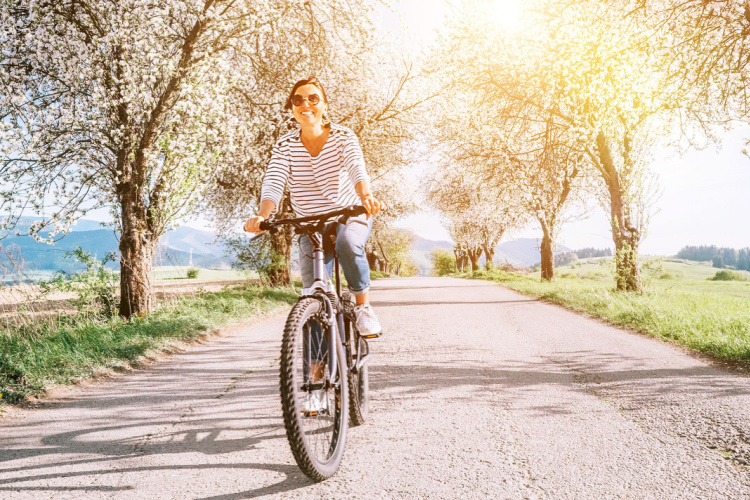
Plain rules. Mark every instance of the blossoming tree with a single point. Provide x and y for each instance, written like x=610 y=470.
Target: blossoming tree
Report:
x=134 y=104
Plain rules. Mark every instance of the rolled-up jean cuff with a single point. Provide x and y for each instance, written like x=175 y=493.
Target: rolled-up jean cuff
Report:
x=360 y=292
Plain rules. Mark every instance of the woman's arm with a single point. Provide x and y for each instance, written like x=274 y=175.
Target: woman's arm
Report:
x=371 y=204
x=354 y=162
x=274 y=182
x=267 y=207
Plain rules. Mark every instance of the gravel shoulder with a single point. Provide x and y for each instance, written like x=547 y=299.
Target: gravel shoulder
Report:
x=477 y=392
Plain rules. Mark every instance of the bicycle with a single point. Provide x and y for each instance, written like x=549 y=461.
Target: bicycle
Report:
x=317 y=389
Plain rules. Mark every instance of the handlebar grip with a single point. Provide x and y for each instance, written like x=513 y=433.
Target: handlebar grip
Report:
x=265 y=226
x=356 y=210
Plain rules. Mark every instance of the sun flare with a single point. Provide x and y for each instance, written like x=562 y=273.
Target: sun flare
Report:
x=507 y=14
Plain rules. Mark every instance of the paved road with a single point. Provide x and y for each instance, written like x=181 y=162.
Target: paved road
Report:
x=477 y=392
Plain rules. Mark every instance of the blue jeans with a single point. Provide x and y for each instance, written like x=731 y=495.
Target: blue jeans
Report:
x=350 y=247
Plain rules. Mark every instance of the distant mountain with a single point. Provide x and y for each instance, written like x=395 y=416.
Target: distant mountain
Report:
x=420 y=253
x=174 y=248
x=41 y=256
x=523 y=252
x=424 y=245
x=185 y=238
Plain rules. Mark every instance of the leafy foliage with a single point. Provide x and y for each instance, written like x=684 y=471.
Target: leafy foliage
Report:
x=727 y=275
x=255 y=254
x=443 y=262
x=95 y=288
x=720 y=256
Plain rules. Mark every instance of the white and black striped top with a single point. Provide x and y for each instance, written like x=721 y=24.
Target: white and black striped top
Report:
x=316 y=184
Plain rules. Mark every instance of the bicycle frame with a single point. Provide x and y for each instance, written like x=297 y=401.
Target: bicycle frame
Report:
x=321 y=289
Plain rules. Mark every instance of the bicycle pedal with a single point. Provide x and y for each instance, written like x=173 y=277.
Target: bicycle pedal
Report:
x=372 y=336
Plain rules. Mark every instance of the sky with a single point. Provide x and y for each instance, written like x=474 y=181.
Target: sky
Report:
x=705 y=195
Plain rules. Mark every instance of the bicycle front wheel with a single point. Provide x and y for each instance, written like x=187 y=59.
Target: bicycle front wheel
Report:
x=314 y=398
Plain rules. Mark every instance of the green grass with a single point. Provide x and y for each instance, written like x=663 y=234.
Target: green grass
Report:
x=707 y=316
x=180 y=272
x=659 y=274
x=36 y=358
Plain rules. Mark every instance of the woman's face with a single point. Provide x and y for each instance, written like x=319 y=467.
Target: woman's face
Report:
x=307 y=113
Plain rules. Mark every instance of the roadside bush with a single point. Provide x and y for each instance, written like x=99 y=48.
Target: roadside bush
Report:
x=443 y=262
x=95 y=288
x=481 y=274
x=192 y=272
x=255 y=254
x=727 y=275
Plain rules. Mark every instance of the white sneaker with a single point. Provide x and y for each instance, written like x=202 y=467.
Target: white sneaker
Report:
x=316 y=403
x=367 y=322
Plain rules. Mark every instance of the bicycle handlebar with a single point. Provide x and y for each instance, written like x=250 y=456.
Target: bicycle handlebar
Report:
x=350 y=211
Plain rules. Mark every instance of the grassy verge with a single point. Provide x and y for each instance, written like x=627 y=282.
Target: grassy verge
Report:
x=38 y=357
x=716 y=323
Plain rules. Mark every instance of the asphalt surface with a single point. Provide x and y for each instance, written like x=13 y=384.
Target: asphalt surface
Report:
x=476 y=392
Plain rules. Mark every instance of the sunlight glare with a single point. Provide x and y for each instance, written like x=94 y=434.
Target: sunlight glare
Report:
x=507 y=14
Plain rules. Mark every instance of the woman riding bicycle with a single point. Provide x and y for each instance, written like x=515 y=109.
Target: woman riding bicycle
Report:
x=323 y=166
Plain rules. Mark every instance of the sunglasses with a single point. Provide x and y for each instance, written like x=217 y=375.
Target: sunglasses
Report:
x=313 y=99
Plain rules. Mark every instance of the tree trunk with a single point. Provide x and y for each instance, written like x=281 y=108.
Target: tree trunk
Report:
x=548 y=257
x=385 y=262
x=460 y=257
x=474 y=254
x=280 y=272
x=136 y=253
x=625 y=236
x=489 y=253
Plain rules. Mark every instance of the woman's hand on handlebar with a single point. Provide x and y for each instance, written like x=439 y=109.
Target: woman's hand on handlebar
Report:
x=253 y=224
x=267 y=207
x=371 y=204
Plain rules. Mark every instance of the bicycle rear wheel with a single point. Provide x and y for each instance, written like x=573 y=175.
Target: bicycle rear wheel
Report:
x=313 y=398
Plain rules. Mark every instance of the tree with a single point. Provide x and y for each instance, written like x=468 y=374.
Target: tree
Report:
x=537 y=163
x=602 y=80
x=137 y=106
x=443 y=262
x=718 y=261
x=394 y=245
x=477 y=213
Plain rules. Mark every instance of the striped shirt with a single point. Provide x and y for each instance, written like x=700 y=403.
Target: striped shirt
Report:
x=316 y=184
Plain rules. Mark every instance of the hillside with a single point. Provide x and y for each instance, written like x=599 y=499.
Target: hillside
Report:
x=174 y=248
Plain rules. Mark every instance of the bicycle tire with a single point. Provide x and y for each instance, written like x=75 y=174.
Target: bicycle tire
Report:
x=316 y=438
x=359 y=388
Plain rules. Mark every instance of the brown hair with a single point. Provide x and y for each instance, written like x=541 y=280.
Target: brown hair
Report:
x=308 y=81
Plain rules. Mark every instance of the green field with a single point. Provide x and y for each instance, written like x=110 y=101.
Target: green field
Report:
x=180 y=272
x=679 y=304
x=658 y=274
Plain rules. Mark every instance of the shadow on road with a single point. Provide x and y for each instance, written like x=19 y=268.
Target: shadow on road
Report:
x=586 y=371
x=224 y=426
x=404 y=303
